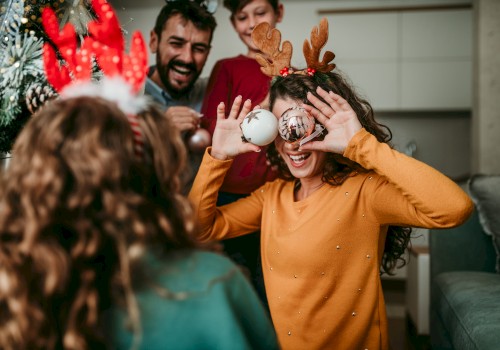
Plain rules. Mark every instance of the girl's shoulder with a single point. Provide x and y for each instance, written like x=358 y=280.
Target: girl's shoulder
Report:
x=237 y=61
x=200 y=262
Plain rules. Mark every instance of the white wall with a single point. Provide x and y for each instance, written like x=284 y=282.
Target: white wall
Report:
x=300 y=17
x=486 y=126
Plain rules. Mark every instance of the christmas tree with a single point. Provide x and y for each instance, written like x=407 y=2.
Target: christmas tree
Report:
x=23 y=85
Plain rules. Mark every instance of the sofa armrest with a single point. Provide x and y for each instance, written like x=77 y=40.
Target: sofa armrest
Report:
x=466 y=247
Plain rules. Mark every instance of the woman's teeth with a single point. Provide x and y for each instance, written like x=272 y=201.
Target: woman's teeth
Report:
x=298 y=158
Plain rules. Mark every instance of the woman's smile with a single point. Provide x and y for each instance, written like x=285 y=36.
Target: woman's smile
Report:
x=298 y=160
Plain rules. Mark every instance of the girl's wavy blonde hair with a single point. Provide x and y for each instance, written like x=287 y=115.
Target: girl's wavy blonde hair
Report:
x=77 y=211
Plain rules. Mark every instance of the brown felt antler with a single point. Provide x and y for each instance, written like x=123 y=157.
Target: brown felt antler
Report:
x=268 y=41
x=312 y=51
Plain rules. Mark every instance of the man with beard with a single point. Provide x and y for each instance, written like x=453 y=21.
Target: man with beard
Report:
x=181 y=41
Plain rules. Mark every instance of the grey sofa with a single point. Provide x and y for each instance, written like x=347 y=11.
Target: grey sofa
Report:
x=465 y=287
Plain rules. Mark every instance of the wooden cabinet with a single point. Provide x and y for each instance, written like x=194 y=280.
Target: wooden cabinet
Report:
x=406 y=59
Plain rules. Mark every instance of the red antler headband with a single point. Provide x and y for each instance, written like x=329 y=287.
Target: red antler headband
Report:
x=277 y=62
x=105 y=42
x=124 y=74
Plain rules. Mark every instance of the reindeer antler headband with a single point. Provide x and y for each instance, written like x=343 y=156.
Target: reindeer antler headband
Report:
x=277 y=62
x=124 y=74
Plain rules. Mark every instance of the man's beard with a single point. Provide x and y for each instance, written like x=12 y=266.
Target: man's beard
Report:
x=163 y=73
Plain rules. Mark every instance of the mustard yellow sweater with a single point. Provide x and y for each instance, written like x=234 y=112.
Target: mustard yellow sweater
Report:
x=321 y=256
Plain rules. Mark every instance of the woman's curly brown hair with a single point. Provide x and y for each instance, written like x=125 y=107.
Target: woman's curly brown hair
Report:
x=337 y=167
x=76 y=207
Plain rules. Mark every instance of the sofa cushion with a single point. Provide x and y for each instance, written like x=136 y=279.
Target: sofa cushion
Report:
x=468 y=306
x=485 y=192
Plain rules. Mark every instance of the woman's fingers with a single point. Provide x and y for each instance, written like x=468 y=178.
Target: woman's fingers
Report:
x=337 y=102
x=320 y=117
x=340 y=102
x=320 y=105
x=331 y=98
x=221 y=111
x=247 y=105
x=235 y=108
x=332 y=104
x=235 y=112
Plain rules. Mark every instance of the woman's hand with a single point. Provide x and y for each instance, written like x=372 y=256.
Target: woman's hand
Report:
x=338 y=118
x=226 y=141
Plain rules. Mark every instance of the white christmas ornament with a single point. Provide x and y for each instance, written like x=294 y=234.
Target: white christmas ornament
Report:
x=260 y=127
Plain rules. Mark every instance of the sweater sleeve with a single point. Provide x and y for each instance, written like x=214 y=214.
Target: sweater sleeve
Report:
x=218 y=90
x=408 y=191
x=228 y=221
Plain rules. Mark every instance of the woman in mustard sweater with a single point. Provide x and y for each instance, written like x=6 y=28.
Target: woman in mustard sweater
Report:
x=339 y=213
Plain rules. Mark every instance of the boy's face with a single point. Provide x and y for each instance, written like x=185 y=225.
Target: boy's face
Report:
x=253 y=13
x=181 y=53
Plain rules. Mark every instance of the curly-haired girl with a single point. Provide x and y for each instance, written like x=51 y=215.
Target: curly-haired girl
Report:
x=96 y=242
